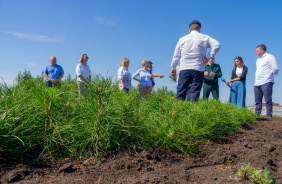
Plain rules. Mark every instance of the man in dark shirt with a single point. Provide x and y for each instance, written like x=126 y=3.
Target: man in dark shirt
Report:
x=211 y=75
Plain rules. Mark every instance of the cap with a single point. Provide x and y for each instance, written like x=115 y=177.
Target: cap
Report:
x=151 y=62
x=194 y=22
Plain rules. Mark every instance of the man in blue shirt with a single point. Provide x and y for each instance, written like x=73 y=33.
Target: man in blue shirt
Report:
x=53 y=73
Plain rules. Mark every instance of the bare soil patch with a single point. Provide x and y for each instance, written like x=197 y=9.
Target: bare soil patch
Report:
x=259 y=143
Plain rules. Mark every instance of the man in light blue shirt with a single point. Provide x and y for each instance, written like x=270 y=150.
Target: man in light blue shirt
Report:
x=53 y=73
x=190 y=51
x=267 y=69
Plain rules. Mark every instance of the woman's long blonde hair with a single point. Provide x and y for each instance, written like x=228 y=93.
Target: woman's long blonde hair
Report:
x=81 y=58
x=123 y=61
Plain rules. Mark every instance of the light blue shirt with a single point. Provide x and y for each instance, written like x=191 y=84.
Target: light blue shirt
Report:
x=53 y=72
x=144 y=76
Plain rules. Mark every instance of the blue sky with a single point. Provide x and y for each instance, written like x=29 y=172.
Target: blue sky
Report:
x=31 y=31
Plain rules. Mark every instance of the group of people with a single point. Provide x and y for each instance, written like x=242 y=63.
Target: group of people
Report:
x=196 y=69
x=144 y=75
x=53 y=73
x=237 y=83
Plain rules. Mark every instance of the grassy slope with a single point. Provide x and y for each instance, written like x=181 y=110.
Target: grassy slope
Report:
x=37 y=122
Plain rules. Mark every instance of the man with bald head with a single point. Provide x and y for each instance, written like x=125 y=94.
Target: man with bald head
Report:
x=53 y=73
x=191 y=52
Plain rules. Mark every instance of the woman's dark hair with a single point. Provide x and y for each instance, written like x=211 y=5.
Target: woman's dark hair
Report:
x=240 y=59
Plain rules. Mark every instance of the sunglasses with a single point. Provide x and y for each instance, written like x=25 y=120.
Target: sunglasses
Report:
x=87 y=57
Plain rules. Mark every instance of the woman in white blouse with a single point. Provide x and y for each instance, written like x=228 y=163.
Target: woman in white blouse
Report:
x=83 y=74
x=124 y=77
x=238 y=83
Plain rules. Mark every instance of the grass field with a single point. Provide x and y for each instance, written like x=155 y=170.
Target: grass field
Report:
x=40 y=122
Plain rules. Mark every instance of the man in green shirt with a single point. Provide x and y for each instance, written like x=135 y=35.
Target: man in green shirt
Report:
x=211 y=75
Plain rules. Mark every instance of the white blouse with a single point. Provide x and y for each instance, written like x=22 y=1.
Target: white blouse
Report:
x=83 y=71
x=123 y=74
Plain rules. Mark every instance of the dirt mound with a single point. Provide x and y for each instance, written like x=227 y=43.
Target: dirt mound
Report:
x=259 y=143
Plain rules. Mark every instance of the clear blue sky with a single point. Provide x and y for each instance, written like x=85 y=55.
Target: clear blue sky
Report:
x=33 y=30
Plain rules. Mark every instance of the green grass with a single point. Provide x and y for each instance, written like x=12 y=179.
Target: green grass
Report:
x=40 y=122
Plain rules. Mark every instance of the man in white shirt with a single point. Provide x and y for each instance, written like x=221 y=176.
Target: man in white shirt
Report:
x=267 y=69
x=190 y=51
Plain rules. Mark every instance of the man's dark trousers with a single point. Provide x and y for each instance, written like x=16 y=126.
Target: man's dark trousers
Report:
x=210 y=87
x=50 y=84
x=195 y=79
x=265 y=91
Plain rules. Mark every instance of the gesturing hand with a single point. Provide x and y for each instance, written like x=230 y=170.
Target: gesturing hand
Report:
x=212 y=74
x=54 y=80
x=173 y=73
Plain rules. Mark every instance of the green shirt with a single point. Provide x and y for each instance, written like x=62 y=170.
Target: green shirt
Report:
x=215 y=68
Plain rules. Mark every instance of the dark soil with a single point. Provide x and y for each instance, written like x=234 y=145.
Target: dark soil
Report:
x=259 y=143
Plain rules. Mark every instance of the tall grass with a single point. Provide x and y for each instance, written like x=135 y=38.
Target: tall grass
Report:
x=38 y=122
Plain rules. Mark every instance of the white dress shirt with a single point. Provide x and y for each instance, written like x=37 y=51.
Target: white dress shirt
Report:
x=267 y=69
x=190 y=50
x=83 y=71
x=123 y=74
x=177 y=74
